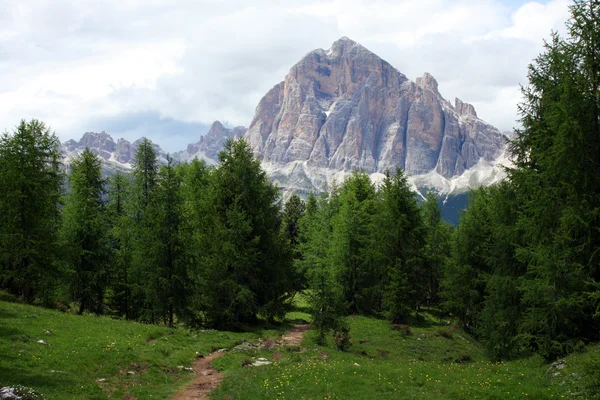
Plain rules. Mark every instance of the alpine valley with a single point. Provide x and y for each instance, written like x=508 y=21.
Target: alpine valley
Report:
x=346 y=109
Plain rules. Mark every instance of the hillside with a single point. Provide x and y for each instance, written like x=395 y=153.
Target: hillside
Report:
x=98 y=358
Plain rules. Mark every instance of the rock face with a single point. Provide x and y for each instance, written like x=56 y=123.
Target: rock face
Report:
x=345 y=108
x=115 y=156
x=209 y=145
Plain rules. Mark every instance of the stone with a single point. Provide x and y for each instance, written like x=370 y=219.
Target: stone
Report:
x=345 y=108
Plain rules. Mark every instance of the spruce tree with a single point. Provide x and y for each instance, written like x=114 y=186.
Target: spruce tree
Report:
x=118 y=202
x=249 y=267
x=350 y=246
x=324 y=292
x=436 y=251
x=85 y=233
x=398 y=243
x=557 y=164
x=30 y=191
x=143 y=239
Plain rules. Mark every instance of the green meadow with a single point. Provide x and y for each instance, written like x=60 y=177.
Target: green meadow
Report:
x=90 y=357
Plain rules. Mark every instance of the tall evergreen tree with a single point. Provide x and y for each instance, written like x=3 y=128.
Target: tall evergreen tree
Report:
x=464 y=278
x=350 y=246
x=314 y=243
x=85 y=233
x=169 y=258
x=557 y=159
x=292 y=213
x=118 y=203
x=435 y=253
x=30 y=191
x=398 y=241
x=144 y=183
x=249 y=268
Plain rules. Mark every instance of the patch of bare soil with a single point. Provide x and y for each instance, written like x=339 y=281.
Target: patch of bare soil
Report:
x=207 y=378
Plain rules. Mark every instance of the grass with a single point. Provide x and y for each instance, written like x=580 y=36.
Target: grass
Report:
x=141 y=361
x=134 y=360
x=434 y=362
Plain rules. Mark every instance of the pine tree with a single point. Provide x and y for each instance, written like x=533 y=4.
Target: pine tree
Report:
x=436 y=251
x=169 y=257
x=464 y=278
x=292 y=213
x=350 y=246
x=398 y=242
x=557 y=157
x=30 y=191
x=143 y=239
x=85 y=233
x=118 y=203
x=249 y=267
x=314 y=244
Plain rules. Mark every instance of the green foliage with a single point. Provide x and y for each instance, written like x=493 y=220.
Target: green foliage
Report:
x=525 y=266
x=84 y=233
x=435 y=252
x=120 y=235
x=398 y=241
x=30 y=190
x=351 y=233
x=248 y=264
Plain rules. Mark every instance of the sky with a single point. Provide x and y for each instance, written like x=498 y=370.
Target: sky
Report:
x=166 y=69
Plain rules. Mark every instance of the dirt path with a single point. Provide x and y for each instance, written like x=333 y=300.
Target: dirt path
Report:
x=207 y=378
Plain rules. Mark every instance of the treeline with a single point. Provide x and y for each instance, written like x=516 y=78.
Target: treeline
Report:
x=371 y=250
x=208 y=246
x=203 y=246
x=525 y=268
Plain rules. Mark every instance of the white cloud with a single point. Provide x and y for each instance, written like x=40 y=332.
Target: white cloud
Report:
x=77 y=64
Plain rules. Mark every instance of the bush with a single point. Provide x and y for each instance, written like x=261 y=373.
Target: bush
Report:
x=402 y=328
x=463 y=358
x=445 y=333
x=342 y=338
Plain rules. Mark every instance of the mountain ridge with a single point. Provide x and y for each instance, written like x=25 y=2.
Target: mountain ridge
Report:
x=346 y=109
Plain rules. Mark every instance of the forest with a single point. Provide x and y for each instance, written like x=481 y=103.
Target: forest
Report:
x=187 y=244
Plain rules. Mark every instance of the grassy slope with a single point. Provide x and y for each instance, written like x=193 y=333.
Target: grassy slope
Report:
x=82 y=349
x=381 y=364
x=386 y=364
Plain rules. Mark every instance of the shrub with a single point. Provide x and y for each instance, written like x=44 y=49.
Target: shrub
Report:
x=342 y=338
x=402 y=328
x=463 y=358
x=445 y=333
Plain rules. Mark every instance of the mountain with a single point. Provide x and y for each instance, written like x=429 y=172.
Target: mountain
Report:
x=115 y=156
x=345 y=108
x=211 y=144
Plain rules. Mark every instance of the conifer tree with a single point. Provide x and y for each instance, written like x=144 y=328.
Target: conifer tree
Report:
x=314 y=243
x=85 y=233
x=398 y=242
x=144 y=183
x=249 y=265
x=118 y=203
x=350 y=247
x=436 y=251
x=557 y=160
x=30 y=191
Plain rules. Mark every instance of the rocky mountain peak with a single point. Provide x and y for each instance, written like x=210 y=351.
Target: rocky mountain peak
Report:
x=209 y=145
x=216 y=129
x=464 y=109
x=346 y=108
x=428 y=82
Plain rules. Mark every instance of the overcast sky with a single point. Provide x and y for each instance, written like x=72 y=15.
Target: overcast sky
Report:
x=166 y=69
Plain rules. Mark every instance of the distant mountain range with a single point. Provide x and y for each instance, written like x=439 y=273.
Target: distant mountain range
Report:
x=343 y=109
